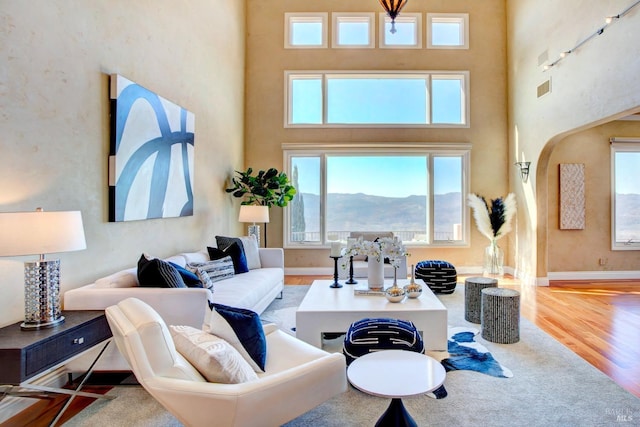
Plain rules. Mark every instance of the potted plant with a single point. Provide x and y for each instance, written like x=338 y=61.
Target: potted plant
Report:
x=266 y=188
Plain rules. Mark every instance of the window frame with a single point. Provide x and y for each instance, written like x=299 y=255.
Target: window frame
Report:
x=383 y=19
x=428 y=149
x=368 y=17
x=292 y=17
x=461 y=18
x=620 y=145
x=325 y=75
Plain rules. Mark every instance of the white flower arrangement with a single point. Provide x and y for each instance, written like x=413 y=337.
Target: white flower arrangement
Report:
x=384 y=247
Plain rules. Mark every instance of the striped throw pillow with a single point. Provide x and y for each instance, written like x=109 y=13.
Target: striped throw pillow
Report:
x=213 y=271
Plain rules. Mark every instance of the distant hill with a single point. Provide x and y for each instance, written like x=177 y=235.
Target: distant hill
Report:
x=365 y=212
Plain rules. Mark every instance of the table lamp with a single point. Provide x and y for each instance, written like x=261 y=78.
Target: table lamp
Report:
x=253 y=214
x=39 y=232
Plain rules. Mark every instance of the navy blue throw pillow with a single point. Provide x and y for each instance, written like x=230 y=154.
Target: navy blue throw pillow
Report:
x=190 y=279
x=156 y=273
x=247 y=326
x=236 y=251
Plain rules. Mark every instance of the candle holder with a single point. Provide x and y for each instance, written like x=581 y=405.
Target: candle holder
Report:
x=335 y=283
x=351 y=281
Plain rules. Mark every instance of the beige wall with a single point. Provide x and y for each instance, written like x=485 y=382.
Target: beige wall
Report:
x=595 y=84
x=55 y=56
x=580 y=250
x=267 y=60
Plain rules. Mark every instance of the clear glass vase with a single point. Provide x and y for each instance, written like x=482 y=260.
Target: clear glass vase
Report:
x=493 y=260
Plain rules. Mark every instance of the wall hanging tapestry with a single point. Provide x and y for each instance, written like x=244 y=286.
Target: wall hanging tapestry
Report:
x=151 y=154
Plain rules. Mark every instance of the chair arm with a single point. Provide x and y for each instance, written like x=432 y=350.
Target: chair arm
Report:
x=271 y=257
x=253 y=403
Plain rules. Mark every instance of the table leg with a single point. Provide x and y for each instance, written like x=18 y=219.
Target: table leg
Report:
x=396 y=415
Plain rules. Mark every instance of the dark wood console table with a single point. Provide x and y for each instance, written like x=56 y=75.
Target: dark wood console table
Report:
x=26 y=355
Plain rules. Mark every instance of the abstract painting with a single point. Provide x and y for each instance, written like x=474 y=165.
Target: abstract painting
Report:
x=572 y=201
x=151 y=154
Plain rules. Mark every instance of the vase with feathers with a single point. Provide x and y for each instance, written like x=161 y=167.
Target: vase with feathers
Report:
x=494 y=222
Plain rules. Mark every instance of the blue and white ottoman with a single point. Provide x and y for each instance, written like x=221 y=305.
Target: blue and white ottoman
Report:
x=440 y=276
x=369 y=335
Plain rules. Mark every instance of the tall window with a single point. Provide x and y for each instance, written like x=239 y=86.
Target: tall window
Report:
x=376 y=98
x=625 y=215
x=417 y=192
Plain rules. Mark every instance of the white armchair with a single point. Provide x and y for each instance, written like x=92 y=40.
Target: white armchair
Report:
x=296 y=373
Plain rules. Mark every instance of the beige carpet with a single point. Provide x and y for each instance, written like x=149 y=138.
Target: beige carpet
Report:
x=551 y=386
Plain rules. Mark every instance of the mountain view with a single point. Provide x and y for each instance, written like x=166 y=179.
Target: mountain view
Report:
x=360 y=212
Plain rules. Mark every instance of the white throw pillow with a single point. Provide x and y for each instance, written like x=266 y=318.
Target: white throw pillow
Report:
x=212 y=356
x=251 y=253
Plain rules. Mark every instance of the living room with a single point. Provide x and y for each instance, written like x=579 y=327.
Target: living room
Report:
x=225 y=62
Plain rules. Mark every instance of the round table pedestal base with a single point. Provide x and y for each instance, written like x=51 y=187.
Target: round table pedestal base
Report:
x=396 y=415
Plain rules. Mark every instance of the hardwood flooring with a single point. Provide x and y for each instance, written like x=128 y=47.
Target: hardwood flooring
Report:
x=597 y=320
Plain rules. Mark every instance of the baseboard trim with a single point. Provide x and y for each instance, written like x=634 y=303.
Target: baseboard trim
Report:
x=593 y=275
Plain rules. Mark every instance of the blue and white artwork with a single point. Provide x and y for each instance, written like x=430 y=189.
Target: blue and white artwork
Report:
x=151 y=155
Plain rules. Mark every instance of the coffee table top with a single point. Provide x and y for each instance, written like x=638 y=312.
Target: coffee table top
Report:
x=322 y=298
x=395 y=373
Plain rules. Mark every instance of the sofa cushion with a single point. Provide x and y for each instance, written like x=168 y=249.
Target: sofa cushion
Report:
x=237 y=255
x=242 y=328
x=122 y=279
x=156 y=273
x=212 y=356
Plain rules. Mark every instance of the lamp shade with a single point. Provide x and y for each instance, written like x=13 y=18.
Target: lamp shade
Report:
x=40 y=232
x=393 y=7
x=253 y=213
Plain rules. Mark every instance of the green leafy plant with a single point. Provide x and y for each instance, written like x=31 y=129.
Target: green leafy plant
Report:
x=266 y=188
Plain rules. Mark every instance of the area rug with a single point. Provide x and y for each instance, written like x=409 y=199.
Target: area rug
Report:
x=551 y=386
x=464 y=353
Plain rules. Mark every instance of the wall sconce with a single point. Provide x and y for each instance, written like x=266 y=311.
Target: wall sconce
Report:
x=524 y=170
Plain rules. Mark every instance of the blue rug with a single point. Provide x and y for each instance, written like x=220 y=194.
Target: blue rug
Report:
x=464 y=353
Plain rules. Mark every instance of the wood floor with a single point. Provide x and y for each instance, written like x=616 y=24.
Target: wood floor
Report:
x=597 y=320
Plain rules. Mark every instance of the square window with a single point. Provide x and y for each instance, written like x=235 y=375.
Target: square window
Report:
x=353 y=30
x=408 y=33
x=305 y=30
x=447 y=30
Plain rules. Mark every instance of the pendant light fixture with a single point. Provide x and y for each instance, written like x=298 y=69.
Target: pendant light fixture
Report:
x=393 y=8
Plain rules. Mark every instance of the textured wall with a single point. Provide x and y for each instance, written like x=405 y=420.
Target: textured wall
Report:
x=267 y=59
x=596 y=84
x=55 y=56
x=580 y=250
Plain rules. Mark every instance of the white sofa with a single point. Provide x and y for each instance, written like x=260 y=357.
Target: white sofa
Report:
x=253 y=290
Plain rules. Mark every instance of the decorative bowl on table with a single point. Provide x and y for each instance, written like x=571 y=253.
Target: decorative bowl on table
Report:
x=394 y=293
x=413 y=290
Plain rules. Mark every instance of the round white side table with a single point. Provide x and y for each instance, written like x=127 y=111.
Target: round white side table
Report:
x=395 y=374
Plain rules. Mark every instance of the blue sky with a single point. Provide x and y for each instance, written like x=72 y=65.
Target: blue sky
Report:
x=627 y=173
x=389 y=176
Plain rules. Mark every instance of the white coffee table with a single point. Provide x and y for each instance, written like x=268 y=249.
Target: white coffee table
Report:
x=326 y=309
x=395 y=374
